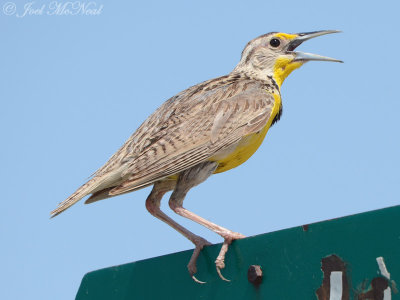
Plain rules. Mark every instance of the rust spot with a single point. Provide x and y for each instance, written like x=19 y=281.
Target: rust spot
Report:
x=254 y=274
x=328 y=265
x=378 y=285
x=305 y=227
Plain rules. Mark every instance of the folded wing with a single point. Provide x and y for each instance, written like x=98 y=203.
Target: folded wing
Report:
x=217 y=124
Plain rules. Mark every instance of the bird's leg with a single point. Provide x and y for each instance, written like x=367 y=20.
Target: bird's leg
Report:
x=188 y=179
x=153 y=206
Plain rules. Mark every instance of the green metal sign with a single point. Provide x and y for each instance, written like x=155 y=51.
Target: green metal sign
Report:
x=355 y=257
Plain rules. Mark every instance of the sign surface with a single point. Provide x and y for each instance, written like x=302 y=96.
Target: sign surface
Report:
x=355 y=257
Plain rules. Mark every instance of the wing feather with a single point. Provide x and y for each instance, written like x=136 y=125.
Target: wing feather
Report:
x=187 y=129
x=202 y=134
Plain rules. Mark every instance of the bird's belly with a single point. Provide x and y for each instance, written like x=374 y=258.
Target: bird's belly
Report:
x=237 y=154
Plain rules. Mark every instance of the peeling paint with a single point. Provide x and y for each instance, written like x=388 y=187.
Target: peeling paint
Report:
x=332 y=287
x=387 y=294
x=377 y=291
x=382 y=267
x=336 y=290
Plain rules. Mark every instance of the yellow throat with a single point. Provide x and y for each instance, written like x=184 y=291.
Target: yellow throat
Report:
x=283 y=67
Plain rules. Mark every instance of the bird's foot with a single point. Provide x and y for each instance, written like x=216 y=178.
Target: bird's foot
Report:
x=199 y=243
x=232 y=236
x=220 y=261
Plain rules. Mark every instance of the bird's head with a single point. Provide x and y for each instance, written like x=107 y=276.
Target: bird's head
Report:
x=273 y=54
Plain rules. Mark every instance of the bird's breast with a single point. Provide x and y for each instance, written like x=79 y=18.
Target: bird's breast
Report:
x=240 y=152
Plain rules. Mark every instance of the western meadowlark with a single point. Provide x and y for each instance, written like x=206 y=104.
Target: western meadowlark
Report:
x=208 y=128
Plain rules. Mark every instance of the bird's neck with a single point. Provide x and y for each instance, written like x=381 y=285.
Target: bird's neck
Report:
x=275 y=73
x=267 y=79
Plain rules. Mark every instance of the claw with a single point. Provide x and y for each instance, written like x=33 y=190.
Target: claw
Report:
x=196 y=280
x=221 y=276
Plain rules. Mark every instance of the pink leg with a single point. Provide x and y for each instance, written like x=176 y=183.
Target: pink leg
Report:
x=186 y=181
x=153 y=206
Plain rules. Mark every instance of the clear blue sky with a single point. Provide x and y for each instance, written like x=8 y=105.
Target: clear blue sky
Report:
x=73 y=88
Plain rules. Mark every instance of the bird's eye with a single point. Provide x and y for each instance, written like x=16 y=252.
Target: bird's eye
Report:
x=275 y=43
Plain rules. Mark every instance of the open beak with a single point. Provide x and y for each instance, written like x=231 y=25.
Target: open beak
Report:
x=302 y=56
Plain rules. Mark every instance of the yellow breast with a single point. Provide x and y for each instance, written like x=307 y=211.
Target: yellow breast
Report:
x=248 y=144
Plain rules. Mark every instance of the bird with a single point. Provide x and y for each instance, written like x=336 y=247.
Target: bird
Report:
x=208 y=128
